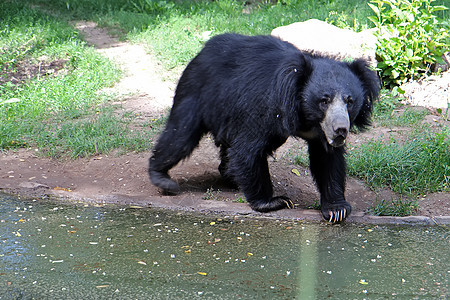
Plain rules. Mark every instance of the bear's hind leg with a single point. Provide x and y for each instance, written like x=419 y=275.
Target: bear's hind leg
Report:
x=180 y=137
x=223 y=167
x=253 y=177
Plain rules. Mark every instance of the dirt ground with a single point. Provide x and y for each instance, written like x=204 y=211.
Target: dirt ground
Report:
x=124 y=180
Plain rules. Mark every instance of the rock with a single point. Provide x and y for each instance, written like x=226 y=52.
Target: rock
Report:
x=432 y=91
x=320 y=37
x=33 y=185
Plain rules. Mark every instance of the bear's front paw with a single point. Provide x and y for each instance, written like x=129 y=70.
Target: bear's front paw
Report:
x=335 y=213
x=275 y=203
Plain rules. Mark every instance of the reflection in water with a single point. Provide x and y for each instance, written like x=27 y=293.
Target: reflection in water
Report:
x=56 y=251
x=308 y=263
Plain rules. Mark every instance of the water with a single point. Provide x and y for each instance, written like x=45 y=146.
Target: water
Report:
x=56 y=251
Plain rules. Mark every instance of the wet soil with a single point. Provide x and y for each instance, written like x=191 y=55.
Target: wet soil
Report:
x=124 y=180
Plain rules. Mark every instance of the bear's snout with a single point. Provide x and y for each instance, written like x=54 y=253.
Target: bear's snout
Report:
x=341 y=132
x=340 y=136
x=336 y=123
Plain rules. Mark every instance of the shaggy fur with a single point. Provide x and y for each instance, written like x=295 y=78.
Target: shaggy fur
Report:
x=252 y=93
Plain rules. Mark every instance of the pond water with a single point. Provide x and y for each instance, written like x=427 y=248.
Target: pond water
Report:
x=49 y=250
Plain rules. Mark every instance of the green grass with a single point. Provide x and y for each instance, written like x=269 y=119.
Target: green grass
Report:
x=212 y=194
x=90 y=135
x=175 y=30
x=60 y=114
x=399 y=208
x=389 y=112
x=240 y=198
x=186 y=27
x=420 y=165
x=25 y=32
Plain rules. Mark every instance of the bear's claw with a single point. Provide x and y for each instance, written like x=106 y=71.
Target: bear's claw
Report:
x=337 y=216
x=336 y=212
x=275 y=203
x=289 y=203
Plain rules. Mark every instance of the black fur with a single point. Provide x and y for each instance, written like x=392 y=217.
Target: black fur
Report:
x=252 y=93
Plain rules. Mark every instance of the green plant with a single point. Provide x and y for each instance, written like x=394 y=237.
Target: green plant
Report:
x=151 y=5
x=211 y=194
x=343 y=20
x=445 y=113
x=240 y=198
x=420 y=165
x=410 y=38
x=316 y=205
x=399 y=208
x=385 y=105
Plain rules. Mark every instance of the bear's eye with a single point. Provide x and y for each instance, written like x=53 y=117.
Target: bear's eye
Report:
x=324 y=102
x=349 y=100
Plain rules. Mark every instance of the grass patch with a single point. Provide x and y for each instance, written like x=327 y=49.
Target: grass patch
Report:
x=212 y=194
x=401 y=116
x=316 y=205
x=185 y=27
x=240 y=198
x=400 y=208
x=300 y=157
x=389 y=112
x=421 y=165
x=61 y=113
x=86 y=136
x=25 y=33
x=176 y=30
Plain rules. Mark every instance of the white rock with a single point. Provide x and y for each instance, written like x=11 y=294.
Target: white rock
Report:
x=320 y=37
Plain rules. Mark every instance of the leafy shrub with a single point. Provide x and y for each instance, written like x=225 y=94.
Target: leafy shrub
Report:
x=410 y=38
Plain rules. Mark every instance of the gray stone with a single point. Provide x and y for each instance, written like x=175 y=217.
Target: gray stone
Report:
x=33 y=185
x=320 y=37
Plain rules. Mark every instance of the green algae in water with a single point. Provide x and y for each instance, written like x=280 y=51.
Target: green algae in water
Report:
x=55 y=251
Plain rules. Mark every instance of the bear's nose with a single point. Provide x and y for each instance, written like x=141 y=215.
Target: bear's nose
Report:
x=341 y=132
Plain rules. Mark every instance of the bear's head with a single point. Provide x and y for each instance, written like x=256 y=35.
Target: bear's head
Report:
x=336 y=96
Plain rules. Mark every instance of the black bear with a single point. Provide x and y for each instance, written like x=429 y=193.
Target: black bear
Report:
x=251 y=94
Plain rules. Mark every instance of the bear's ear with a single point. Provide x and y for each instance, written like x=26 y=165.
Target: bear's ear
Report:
x=290 y=80
x=293 y=75
x=303 y=68
x=371 y=86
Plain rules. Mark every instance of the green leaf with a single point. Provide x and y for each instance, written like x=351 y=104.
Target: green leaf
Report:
x=409 y=53
x=374 y=20
x=374 y=8
x=410 y=17
x=438 y=8
x=410 y=37
x=395 y=74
